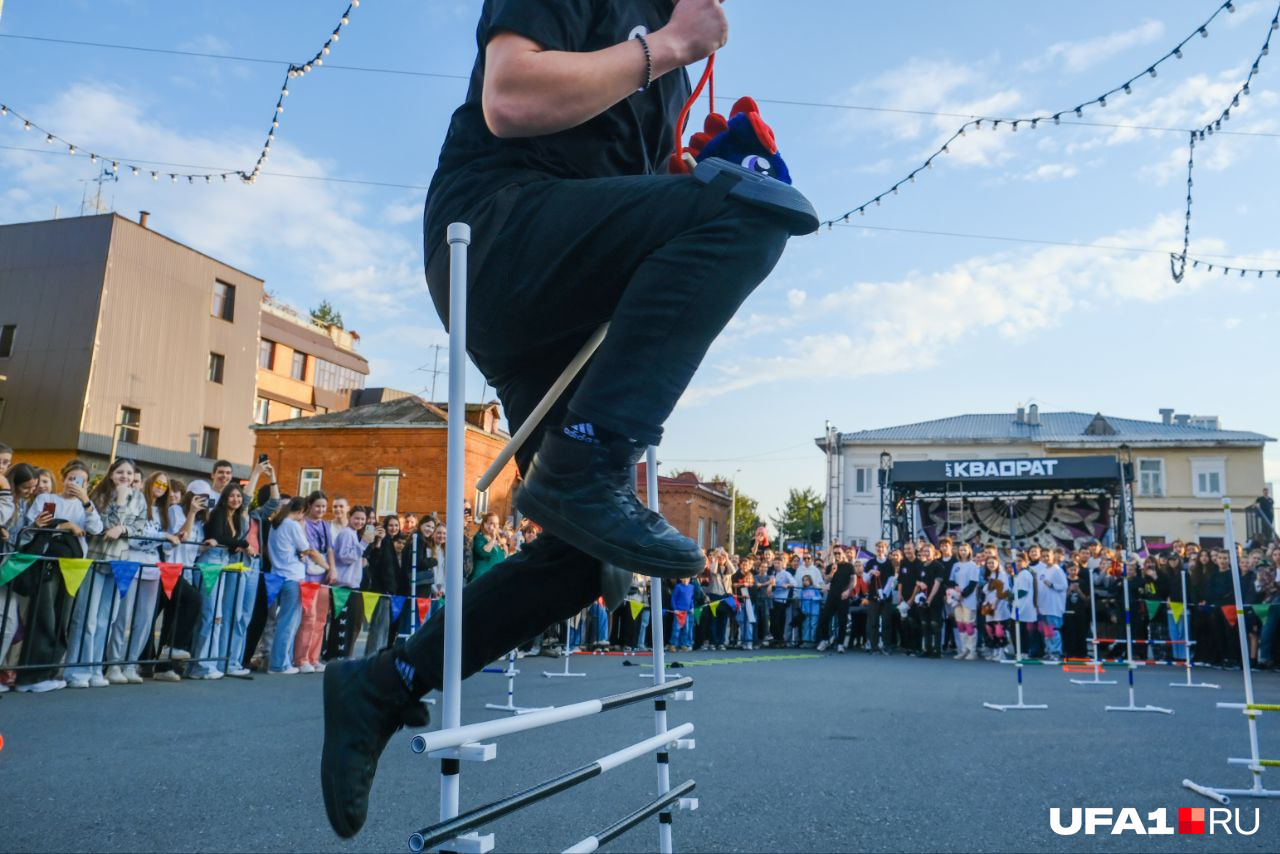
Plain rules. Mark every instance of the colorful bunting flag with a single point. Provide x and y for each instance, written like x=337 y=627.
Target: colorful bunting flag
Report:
x=370 y=602
x=682 y=617
x=397 y=605
x=1231 y=613
x=1262 y=610
x=307 y=590
x=340 y=597
x=15 y=565
x=1153 y=605
x=235 y=567
x=273 y=583
x=732 y=602
x=636 y=608
x=1177 y=608
x=124 y=571
x=714 y=606
x=424 y=608
x=209 y=573
x=73 y=571
x=169 y=575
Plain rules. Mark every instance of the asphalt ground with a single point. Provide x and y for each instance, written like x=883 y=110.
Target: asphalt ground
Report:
x=814 y=753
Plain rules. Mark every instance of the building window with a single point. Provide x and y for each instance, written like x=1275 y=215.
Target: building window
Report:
x=862 y=480
x=217 y=362
x=295 y=412
x=209 y=442
x=6 y=340
x=1209 y=477
x=1151 y=478
x=309 y=481
x=715 y=533
x=261 y=410
x=130 y=424
x=387 y=491
x=298 y=370
x=702 y=532
x=224 y=301
x=266 y=354
x=333 y=377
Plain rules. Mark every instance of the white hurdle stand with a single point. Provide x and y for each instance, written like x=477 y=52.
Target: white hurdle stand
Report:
x=1130 y=665
x=511 y=672
x=1093 y=629
x=1250 y=709
x=1186 y=638
x=1019 y=706
x=568 y=655
x=453 y=743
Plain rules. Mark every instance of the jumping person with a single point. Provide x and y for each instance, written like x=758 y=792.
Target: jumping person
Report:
x=554 y=160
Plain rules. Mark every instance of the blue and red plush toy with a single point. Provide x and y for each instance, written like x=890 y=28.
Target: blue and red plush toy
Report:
x=743 y=138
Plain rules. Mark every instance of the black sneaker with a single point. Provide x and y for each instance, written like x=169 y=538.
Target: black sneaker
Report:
x=365 y=703
x=582 y=493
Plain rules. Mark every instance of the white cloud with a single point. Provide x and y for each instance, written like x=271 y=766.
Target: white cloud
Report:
x=1051 y=172
x=796 y=297
x=1081 y=55
x=887 y=327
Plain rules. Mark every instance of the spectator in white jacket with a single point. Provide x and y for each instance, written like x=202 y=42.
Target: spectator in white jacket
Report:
x=1052 y=603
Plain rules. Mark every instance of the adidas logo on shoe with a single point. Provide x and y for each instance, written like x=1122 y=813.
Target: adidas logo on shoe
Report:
x=582 y=433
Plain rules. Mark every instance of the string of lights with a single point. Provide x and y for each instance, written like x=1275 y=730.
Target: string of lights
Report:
x=138 y=167
x=1178 y=261
x=1033 y=122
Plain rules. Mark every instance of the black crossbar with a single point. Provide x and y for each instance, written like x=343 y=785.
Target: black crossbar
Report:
x=649 y=810
x=626 y=698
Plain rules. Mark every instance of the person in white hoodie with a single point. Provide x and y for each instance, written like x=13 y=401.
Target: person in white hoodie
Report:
x=996 y=609
x=1051 y=580
x=966 y=578
x=1025 y=611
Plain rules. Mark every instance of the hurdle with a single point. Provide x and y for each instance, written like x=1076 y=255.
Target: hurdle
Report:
x=1094 y=663
x=1019 y=706
x=511 y=672
x=1130 y=664
x=1249 y=708
x=1186 y=636
x=455 y=742
x=567 y=654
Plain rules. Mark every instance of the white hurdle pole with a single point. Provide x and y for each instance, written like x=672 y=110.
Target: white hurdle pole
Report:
x=1128 y=646
x=1251 y=710
x=510 y=706
x=1186 y=639
x=1017 y=652
x=659 y=660
x=568 y=654
x=1093 y=624
x=459 y=237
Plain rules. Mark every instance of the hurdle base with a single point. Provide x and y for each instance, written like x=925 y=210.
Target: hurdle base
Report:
x=551 y=675
x=1013 y=707
x=1193 y=685
x=515 y=710
x=1094 y=682
x=1132 y=708
x=471 y=843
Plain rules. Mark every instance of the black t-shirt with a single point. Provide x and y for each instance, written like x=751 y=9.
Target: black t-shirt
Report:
x=886 y=569
x=840 y=579
x=931 y=572
x=908 y=574
x=633 y=137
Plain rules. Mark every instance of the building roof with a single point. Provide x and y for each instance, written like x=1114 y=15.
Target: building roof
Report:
x=301 y=335
x=685 y=481
x=401 y=412
x=1054 y=428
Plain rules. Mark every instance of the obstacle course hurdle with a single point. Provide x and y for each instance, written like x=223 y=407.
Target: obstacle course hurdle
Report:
x=1130 y=664
x=567 y=654
x=1249 y=708
x=511 y=672
x=1186 y=636
x=455 y=742
x=1094 y=662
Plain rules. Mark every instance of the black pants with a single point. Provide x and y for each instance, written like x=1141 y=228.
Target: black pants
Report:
x=837 y=609
x=257 y=623
x=778 y=620
x=177 y=615
x=667 y=265
x=344 y=628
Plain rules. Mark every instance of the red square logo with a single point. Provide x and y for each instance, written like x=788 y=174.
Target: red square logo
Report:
x=1191 y=820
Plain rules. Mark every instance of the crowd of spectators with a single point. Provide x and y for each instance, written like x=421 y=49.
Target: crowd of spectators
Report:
x=222 y=580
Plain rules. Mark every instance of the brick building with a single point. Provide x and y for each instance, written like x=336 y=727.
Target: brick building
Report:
x=698 y=510
x=389 y=454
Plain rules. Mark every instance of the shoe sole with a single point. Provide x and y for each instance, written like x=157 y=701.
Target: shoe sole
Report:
x=332 y=808
x=598 y=548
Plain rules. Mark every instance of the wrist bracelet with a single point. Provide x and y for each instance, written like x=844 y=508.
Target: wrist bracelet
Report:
x=648 y=63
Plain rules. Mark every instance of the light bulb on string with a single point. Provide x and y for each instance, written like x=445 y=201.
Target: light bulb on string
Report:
x=155 y=176
x=1079 y=112
x=1102 y=102
x=26 y=125
x=324 y=51
x=71 y=149
x=173 y=178
x=1231 y=8
x=48 y=138
x=1152 y=71
x=1128 y=89
x=1177 y=51
x=334 y=37
x=319 y=61
x=134 y=169
x=1204 y=32
x=4 y=110
x=345 y=20
x=93 y=158
x=115 y=167
x=1057 y=118
x=355 y=4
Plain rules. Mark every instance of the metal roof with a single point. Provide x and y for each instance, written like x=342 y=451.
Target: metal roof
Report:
x=1055 y=428
x=402 y=412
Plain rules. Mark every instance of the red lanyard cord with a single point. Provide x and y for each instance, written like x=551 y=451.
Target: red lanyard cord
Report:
x=708 y=76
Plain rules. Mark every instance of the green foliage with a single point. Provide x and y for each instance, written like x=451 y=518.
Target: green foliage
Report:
x=326 y=313
x=746 y=518
x=800 y=519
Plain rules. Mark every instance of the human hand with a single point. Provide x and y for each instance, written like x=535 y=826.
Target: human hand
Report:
x=77 y=492
x=173 y=538
x=44 y=520
x=75 y=529
x=269 y=470
x=210 y=542
x=697 y=29
x=115 y=532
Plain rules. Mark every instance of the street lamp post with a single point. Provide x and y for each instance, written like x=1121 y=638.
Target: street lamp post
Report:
x=733 y=512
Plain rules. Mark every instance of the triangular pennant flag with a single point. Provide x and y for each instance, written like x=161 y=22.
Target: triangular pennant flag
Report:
x=424 y=608
x=397 y=605
x=15 y=566
x=273 y=583
x=731 y=602
x=169 y=575
x=307 y=590
x=370 y=602
x=682 y=617
x=340 y=597
x=1177 y=608
x=1153 y=605
x=1261 y=611
x=125 y=571
x=714 y=606
x=73 y=572
x=209 y=573
x=1231 y=613
x=636 y=608
x=234 y=567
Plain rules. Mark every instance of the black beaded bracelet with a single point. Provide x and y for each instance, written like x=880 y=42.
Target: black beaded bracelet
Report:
x=648 y=63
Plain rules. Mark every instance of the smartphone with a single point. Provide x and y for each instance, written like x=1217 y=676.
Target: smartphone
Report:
x=50 y=508
x=262 y=458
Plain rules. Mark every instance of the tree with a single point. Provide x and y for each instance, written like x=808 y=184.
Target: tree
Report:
x=801 y=517
x=746 y=518
x=327 y=314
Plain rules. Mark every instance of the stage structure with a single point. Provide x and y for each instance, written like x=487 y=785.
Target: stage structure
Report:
x=1047 y=501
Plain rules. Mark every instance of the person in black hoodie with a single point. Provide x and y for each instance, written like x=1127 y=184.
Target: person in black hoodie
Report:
x=228 y=529
x=384 y=576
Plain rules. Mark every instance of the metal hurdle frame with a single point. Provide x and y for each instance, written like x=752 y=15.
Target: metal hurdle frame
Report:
x=1249 y=708
x=454 y=742
x=1186 y=637
x=511 y=672
x=1017 y=633
x=1095 y=663
x=567 y=655
x=1130 y=664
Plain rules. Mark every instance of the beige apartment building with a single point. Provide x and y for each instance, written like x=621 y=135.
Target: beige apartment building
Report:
x=1183 y=465
x=305 y=367
x=113 y=334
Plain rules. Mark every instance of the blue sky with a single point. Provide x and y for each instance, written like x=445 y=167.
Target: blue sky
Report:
x=863 y=327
